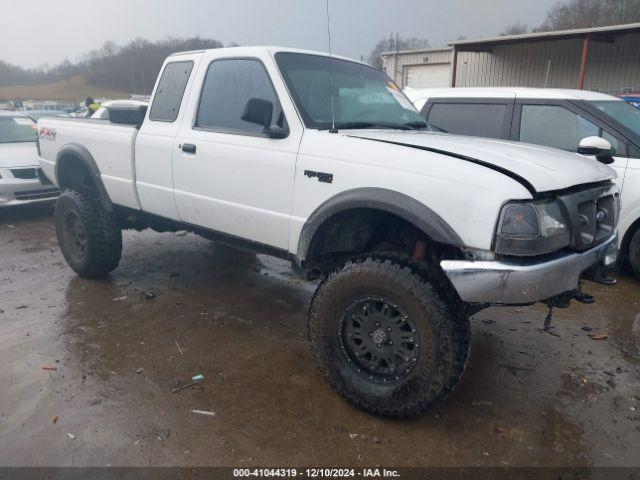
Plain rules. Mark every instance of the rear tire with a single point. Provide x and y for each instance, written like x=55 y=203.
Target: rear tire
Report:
x=363 y=321
x=634 y=253
x=88 y=234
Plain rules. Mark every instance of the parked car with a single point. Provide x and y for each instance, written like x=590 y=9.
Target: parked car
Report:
x=325 y=162
x=554 y=118
x=103 y=112
x=19 y=164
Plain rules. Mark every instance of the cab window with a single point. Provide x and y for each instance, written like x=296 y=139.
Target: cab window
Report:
x=228 y=86
x=168 y=96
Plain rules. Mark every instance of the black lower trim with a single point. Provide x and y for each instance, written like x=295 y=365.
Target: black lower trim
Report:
x=82 y=154
x=372 y=198
x=139 y=220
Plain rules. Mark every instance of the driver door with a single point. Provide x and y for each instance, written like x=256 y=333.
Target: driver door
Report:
x=228 y=175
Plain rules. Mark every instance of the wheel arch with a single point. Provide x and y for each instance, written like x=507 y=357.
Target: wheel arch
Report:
x=383 y=200
x=628 y=235
x=75 y=166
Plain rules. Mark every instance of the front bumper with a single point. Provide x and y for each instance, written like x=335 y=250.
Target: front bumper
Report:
x=510 y=282
x=16 y=191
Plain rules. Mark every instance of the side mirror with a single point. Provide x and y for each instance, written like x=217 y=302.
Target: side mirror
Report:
x=258 y=111
x=597 y=146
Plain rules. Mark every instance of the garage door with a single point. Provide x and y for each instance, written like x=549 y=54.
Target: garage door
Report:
x=425 y=76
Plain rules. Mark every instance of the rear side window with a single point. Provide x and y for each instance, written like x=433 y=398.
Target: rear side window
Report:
x=168 y=97
x=476 y=119
x=228 y=86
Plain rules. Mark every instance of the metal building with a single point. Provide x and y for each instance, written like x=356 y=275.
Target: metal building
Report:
x=419 y=68
x=606 y=59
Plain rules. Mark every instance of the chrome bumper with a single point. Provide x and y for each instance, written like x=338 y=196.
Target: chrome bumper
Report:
x=508 y=282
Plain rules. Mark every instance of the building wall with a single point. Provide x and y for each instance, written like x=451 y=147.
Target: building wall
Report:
x=611 y=67
x=398 y=72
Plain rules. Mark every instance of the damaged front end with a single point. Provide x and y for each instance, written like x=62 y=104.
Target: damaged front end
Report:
x=561 y=240
x=526 y=281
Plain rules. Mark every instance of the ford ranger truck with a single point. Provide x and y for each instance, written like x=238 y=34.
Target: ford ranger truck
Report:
x=323 y=161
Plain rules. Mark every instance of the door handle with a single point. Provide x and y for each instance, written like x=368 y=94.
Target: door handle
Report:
x=188 y=148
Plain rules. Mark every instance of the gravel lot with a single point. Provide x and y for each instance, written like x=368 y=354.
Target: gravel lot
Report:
x=88 y=369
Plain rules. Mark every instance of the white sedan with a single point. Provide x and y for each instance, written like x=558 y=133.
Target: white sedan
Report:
x=19 y=163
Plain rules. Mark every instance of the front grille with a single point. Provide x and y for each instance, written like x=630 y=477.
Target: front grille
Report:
x=593 y=214
x=25 y=173
x=37 y=194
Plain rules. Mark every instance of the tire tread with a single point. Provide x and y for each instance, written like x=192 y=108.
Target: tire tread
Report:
x=105 y=236
x=434 y=295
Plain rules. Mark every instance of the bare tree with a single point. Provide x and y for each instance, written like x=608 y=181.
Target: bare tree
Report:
x=132 y=67
x=391 y=44
x=514 y=29
x=571 y=14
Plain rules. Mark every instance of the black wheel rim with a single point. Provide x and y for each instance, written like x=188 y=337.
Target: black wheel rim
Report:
x=75 y=237
x=379 y=339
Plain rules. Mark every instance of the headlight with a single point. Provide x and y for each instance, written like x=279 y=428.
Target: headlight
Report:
x=531 y=228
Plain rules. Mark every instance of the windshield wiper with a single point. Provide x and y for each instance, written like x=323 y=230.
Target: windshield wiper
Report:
x=417 y=125
x=356 y=125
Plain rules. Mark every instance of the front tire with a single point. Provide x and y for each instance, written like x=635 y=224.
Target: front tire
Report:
x=634 y=253
x=386 y=337
x=88 y=234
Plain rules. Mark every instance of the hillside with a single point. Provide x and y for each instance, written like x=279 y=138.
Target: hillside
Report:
x=75 y=89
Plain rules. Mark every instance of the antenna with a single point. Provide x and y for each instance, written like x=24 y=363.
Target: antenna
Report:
x=333 y=111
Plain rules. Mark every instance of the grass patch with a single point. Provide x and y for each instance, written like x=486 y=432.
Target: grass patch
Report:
x=74 y=89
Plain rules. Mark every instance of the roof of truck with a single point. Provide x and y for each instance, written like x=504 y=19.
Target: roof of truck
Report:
x=506 y=92
x=261 y=49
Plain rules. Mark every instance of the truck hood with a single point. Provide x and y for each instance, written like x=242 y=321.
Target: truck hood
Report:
x=18 y=155
x=539 y=168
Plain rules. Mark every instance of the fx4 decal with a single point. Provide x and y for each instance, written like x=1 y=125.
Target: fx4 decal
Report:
x=47 y=133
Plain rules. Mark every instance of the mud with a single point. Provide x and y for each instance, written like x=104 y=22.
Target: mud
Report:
x=180 y=305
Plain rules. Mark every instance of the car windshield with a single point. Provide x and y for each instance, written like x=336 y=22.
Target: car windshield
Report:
x=623 y=112
x=363 y=97
x=17 y=129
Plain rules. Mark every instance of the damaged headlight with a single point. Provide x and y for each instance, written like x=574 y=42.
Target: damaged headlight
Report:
x=531 y=228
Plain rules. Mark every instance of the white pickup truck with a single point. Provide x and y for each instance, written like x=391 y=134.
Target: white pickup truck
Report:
x=324 y=161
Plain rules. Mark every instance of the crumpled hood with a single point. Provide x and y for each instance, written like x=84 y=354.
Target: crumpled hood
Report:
x=545 y=169
x=18 y=155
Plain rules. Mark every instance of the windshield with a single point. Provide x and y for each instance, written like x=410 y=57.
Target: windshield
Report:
x=624 y=113
x=362 y=96
x=17 y=129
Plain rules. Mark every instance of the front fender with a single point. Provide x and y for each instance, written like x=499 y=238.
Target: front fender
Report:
x=389 y=201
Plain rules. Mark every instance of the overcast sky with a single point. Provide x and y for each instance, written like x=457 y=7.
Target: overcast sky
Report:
x=36 y=32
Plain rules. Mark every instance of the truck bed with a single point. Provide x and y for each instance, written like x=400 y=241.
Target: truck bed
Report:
x=112 y=147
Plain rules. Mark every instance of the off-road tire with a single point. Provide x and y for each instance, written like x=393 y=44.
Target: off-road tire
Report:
x=634 y=253
x=437 y=313
x=101 y=235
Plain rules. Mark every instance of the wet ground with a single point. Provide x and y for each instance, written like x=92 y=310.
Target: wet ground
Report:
x=87 y=369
